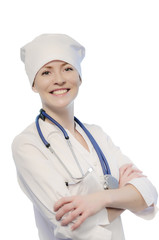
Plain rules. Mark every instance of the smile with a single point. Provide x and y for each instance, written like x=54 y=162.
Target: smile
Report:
x=60 y=91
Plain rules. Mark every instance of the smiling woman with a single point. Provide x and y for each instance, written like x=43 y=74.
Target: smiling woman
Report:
x=57 y=83
x=78 y=181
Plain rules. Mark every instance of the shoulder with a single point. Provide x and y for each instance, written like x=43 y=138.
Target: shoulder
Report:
x=102 y=138
x=28 y=135
x=96 y=131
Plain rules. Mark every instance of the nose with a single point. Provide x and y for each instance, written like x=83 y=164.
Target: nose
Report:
x=59 y=79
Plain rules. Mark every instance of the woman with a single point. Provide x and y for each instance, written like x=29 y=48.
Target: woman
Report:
x=61 y=163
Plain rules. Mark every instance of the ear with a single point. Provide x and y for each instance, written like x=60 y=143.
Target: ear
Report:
x=80 y=80
x=34 y=89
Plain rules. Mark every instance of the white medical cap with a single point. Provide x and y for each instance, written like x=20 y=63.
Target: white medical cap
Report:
x=48 y=47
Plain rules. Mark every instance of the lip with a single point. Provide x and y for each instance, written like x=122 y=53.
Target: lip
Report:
x=59 y=89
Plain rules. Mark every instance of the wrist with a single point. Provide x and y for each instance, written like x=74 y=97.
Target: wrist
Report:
x=106 y=196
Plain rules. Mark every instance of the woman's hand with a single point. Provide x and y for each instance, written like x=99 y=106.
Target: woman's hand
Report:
x=79 y=208
x=127 y=172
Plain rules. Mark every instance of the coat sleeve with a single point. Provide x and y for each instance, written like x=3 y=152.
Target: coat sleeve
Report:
x=143 y=185
x=44 y=186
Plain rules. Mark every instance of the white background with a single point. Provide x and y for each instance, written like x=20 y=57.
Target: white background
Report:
x=119 y=92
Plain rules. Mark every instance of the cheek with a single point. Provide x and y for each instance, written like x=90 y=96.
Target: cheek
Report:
x=76 y=84
x=41 y=84
x=75 y=80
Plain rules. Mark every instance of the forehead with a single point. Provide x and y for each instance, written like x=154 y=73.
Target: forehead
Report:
x=55 y=63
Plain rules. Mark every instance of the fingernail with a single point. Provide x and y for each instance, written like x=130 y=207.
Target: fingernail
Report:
x=54 y=208
x=57 y=218
x=72 y=228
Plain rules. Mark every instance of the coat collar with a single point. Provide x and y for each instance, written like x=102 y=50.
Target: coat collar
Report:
x=48 y=129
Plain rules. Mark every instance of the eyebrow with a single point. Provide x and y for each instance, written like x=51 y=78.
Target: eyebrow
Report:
x=63 y=64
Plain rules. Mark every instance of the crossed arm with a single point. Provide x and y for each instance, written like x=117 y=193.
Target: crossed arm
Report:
x=115 y=200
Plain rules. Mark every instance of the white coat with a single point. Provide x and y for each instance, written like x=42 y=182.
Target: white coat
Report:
x=42 y=178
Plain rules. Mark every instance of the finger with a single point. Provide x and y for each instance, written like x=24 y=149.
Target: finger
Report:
x=81 y=219
x=135 y=175
x=124 y=167
x=61 y=202
x=63 y=210
x=72 y=216
x=131 y=170
x=127 y=179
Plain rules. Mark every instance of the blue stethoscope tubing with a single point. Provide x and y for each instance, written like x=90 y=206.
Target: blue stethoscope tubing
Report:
x=102 y=158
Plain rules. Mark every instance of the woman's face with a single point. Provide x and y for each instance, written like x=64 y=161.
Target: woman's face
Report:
x=57 y=83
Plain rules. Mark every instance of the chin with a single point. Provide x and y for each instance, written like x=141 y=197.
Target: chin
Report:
x=58 y=107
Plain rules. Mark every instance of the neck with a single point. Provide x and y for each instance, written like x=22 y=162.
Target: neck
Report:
x=64 y=117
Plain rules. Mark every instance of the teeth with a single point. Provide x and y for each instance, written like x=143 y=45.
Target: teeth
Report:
x=58 y=92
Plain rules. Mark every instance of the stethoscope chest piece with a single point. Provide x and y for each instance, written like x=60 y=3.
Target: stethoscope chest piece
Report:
x=110 y=182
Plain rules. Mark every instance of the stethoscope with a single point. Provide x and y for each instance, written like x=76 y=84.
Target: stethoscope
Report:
x=109 y=182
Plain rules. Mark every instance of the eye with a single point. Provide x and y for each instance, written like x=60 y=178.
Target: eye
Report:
x=45 y=73
x=68 y=69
